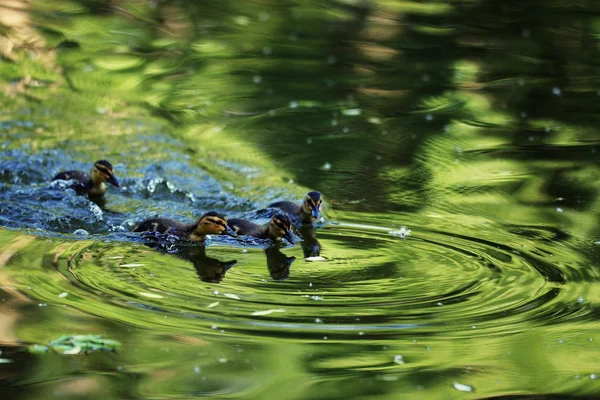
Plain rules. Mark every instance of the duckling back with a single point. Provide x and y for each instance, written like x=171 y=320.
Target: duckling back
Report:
x=287 y=207
x=83 y=180
x=245 y=227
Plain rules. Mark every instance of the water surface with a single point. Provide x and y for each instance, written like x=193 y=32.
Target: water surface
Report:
x=473 y=125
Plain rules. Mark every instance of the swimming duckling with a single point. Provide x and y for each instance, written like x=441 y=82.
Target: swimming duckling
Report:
x=210 y=223
x=308 y=212
x=91 y=184
x=280 y=226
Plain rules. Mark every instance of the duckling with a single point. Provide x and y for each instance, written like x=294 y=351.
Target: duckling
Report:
x=210 y=223
x=280 y=226
x=308 y=212
x=91 y=184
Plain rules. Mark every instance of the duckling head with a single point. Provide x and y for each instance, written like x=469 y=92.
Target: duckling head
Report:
x=102 y=171
x=312 y=205
x=213 y=223
x=280 y=226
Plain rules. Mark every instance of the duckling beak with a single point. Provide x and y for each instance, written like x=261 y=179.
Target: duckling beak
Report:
x=316 y=213
x=230 y=232
x=113 y=180
x=289 y=237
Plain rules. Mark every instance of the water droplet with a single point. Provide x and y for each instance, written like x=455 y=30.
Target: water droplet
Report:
x=222 y=360
x=325 y=338
x=556 y=91
x=214 y=327
x=334 y=122
x=264 y=16
x=580 y=300
x=521 y=82
x=63 y=295
x=429 y=117
x=399 y=360
x=293 y=104
x=558 y=209
x=81 y=233
x=462 y=388
x=526 y=33
x=326 y=166
x=346 y=129
x=593 y=376
x=196 y=369
x=267 y=50
x=523 y=114
x=257 y=79
x=318 y=320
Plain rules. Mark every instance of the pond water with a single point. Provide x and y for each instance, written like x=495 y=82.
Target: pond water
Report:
x=456 y=146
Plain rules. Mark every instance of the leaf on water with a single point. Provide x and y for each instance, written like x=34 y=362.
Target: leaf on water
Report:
x=267 y=312
x=77 y=344
x=232 y=296
x=151 y=295
x=211 y=305
x=462 y=388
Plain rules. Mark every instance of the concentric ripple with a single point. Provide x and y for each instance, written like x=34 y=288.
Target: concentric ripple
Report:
x=429 y=279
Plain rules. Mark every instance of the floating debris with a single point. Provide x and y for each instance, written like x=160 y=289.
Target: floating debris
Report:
x=316 y=258
x=402 y=232
x=151 y=295
x=351 y=111
x=462 y=388
x=267 y=312
x=77 y=344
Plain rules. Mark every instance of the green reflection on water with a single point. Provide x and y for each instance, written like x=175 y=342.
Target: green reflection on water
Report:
x=474 y=124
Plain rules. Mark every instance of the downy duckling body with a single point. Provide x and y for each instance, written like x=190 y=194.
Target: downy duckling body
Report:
x=280 y=226
x=210 y=223
x=308 y=212
x=91 y=184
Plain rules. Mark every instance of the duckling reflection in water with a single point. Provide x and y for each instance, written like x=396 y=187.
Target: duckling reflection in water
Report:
x=208 y=269
x=310 y=244
x=91 y=184
x=210 y=223
x=280 y=226
x=278 y=263
x=308 y=212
